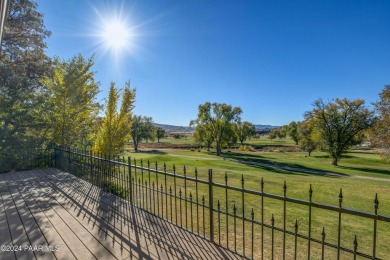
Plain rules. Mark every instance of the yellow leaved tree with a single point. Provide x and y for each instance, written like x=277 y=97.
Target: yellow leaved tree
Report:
x=115 y=129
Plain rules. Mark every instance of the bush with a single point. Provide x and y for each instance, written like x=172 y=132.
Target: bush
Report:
x=246 y=148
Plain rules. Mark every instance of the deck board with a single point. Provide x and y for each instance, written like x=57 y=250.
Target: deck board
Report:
x=31 y=227
x=50 y=208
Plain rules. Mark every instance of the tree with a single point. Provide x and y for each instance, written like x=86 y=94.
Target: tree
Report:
x=142 y=129
x=272 y=134
x=282 y=132
x=160 y=133
x=23 y=63
x=244 y=130
x=279 y=133
x=218 y=119
x=381 y=128
x=72 y=99
x=338 y=123
x=292 y=131
x=307 y=136
x=114 y=131
x=202 y=136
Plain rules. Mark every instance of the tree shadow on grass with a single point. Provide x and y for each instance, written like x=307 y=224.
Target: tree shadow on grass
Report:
x=278 y=167
x=364 y=169
x=152 y=151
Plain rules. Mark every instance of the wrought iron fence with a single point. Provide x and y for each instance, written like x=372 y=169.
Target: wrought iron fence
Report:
x=25 y=158
x=253 y=223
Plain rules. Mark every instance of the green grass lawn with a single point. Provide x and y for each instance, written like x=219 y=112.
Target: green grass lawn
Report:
x=358 y=192
x=258 y=141
x=360 y=175
x=264 y=140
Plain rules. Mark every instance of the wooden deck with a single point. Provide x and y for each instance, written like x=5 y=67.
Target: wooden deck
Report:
x=49 y=214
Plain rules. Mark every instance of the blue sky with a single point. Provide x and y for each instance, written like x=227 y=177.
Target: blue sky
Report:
x=271 y=58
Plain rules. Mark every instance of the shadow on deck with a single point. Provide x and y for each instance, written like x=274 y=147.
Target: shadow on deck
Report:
x=50 y=214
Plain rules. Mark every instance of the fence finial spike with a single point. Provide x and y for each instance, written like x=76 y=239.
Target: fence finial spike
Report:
x=341 y=195
x=285 y=188
x=219 y=205
x=196 y=172
x=296 y=225
x=165 y=167
x=253 y=214
x=184 y=170
x=273 y=220
x=323 y=234
x=262 y=184
x=355 y=244
x=376 y=203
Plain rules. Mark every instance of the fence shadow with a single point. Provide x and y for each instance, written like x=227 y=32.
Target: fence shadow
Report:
x=143 y=234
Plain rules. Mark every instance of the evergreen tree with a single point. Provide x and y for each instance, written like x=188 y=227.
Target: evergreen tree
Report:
x=23 y=63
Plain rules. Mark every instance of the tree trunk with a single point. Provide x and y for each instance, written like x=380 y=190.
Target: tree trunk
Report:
x=218 y=148
x=208 y=146
x=334 y=161
x=135 y=146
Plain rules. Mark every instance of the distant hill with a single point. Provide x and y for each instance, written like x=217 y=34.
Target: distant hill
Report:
x=186 y=129
x=174 y=128
x=266 y=127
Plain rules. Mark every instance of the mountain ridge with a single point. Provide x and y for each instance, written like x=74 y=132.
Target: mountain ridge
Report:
x=176 y=128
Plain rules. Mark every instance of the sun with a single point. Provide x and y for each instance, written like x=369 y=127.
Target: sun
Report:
x=116 y=35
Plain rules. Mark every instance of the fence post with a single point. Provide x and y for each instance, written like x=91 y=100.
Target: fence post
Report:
x=90 y=157
x=69 y=159
x=55 y=157
x=131 y=188
x=211 y=205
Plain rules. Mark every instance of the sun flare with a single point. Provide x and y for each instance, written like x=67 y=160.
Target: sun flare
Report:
x=116 y=35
